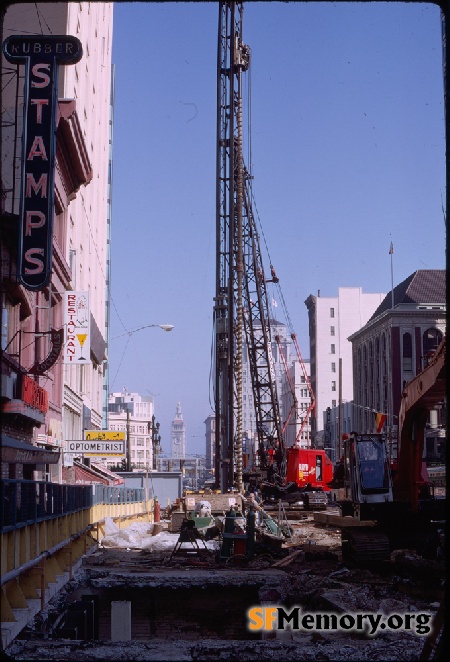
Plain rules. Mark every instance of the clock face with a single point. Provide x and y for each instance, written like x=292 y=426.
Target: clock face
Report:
x=176 y=441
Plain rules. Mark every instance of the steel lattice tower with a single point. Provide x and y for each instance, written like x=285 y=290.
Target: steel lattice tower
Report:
x=241 y=298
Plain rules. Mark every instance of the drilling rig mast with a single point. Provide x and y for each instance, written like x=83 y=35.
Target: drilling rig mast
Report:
x=240 y=305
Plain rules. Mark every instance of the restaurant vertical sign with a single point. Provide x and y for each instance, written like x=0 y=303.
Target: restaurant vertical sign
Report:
x=41 y=56
x=77 y=324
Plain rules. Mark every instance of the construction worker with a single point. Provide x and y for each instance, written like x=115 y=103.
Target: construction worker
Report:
x=254 y=502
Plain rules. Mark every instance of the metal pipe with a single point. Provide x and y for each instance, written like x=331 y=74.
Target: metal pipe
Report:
x=29 y=565
x=239 y=273
x=128 y=442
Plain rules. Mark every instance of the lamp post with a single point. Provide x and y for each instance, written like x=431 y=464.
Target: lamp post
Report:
x=164 y=327
x=156 y=443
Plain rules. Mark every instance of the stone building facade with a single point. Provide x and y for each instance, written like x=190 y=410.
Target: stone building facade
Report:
x=393 y=346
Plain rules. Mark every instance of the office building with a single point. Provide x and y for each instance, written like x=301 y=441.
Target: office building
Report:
x=46 y=402
x=394 y=346
x=133 y=414
x=296 y=401
x=331 y=321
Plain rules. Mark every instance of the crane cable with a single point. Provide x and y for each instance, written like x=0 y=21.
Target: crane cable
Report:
x=275 y=278
x=289 y=324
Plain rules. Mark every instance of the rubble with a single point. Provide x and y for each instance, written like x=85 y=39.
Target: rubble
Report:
x=308 y=572
x=299 y=649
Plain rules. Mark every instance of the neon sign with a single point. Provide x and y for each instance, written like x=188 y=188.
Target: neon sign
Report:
x=41 y=56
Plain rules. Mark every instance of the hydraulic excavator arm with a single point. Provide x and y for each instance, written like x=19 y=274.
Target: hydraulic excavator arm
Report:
x=419 y=396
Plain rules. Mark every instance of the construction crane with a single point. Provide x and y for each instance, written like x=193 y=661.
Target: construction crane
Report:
x=241 y=310
x=241 y=307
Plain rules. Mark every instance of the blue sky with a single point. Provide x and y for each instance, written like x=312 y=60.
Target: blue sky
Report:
x=347 y=154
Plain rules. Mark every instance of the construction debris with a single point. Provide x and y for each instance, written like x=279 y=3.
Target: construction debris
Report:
x=308 y=573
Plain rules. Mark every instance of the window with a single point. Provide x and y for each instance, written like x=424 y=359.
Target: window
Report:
x=407 y=352
x=333 y=386
x=331 y=312
x=333 y=403
x=333 y=349
x=431 y=340
x=333 y=367
x=332 y=330
x=7 y=322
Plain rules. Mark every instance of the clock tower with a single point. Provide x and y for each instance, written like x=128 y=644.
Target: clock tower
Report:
x=178 y=435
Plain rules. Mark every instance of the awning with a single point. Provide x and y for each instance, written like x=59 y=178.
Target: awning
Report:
x=14 y=451
x=17 y=406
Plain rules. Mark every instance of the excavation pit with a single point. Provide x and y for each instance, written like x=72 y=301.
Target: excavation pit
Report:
x=165 y=604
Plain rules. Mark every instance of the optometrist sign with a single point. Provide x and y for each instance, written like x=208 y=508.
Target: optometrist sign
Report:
x=98 y=443
x=96 y=448
x=41 y=56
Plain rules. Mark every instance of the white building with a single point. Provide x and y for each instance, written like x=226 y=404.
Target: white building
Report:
x=178 y=435
x=296 y=409
x=278 y=329
x=133 y=413
x=331 y=321
x=82 y=211
x=210 y=440
x=88 y=220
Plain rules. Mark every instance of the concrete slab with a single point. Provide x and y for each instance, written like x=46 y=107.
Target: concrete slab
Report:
x=165 y=578
x=330 y=519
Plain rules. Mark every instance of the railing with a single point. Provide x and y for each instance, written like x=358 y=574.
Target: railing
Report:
x=27 y=501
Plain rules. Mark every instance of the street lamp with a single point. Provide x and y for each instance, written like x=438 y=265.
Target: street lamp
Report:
x=156 y=441
x=164 y=327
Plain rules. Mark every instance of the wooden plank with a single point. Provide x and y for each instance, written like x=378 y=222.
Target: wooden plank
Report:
x=339 y=521
x=287 y=559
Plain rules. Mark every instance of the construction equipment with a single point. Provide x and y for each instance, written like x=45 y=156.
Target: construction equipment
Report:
x=241 y=310
x=190 y=535
x=393 y=499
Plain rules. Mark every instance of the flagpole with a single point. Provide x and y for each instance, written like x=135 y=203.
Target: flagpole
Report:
x=391 y=253
x=390 y=426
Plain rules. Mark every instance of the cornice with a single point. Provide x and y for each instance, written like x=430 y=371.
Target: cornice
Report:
x=72 y=155
x=391 y=318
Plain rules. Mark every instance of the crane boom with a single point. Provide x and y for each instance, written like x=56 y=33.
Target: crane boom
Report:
x=259 y=344
x=419 y=396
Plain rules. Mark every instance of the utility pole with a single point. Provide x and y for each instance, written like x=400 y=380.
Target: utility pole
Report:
x=340 y=413
x=128 y=442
